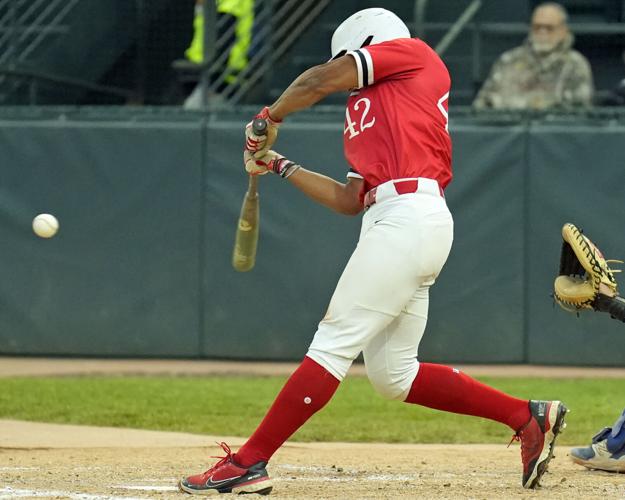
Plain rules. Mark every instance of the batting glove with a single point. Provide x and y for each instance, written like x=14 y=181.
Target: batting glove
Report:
x=260 y=144
x=252 y=165
x=270 y=162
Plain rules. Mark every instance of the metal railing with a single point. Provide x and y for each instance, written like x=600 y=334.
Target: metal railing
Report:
x=461 y=23
x=34 y=79
x=25 y=19
x=278 y=25
x=420 y=7
x=24 y=29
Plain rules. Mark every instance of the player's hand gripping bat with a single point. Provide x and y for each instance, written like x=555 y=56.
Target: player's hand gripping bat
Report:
x=246 y=239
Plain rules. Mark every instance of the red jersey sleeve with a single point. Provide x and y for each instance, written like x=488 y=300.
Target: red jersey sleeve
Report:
x=388 y=60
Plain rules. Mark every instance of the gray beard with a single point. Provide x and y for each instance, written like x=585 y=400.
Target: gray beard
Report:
x=542 y=48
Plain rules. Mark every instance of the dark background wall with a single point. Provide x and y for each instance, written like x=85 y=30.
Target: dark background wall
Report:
x=131 y=45
x=148 y=202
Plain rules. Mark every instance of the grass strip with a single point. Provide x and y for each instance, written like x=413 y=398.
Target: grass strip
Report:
x=234 y=406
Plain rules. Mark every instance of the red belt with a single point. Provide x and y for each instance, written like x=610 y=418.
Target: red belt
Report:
x=401 y=187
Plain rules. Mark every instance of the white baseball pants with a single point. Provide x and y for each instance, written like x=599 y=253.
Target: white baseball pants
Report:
x=380 y=304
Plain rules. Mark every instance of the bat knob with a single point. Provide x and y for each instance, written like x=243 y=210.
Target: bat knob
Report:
x=259 y=126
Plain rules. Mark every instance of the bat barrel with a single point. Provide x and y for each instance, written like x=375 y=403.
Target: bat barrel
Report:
x=246 y=238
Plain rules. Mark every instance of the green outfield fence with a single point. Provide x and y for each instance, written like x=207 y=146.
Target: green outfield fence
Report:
x=148 y=200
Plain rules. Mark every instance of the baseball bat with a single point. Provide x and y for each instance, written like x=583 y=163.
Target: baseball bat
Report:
x=246 y=238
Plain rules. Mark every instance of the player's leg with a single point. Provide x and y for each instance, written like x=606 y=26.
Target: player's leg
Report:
x=401 y=241
x=386 y=267
x=391 y=356
x=392 y=366
x=368 y=296
x=405 y=243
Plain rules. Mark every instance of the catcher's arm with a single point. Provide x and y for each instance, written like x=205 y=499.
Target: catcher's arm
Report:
x=585 y=280
x=612 y=304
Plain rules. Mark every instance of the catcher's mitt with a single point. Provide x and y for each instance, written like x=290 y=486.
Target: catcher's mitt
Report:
x=586 y=281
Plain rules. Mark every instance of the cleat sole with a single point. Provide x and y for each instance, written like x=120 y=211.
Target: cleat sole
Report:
x=557 y=412
x=260 y=488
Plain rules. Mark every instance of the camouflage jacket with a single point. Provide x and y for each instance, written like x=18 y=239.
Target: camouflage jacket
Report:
x=522 y=79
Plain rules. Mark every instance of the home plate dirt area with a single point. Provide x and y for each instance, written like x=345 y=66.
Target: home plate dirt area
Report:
x=39 y=460
x=89 y=463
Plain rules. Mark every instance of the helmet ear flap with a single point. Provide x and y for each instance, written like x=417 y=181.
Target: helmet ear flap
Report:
x=339 y=54
x=367 y=41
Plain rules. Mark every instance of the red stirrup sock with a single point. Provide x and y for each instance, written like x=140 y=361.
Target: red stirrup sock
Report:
x=445 y=388
x=308 y=390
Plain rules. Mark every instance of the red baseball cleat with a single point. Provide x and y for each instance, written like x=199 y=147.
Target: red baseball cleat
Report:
x=538 y=437
x=228 y=477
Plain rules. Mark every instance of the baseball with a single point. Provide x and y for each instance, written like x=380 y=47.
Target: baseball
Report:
x=45 y=225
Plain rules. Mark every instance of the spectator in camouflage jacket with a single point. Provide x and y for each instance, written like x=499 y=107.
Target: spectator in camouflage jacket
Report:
x=545 y=72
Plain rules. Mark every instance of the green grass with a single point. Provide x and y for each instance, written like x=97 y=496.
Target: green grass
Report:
x=235 y=405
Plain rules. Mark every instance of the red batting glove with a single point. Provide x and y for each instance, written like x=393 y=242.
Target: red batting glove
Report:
x=270 y=162
x=259 y=144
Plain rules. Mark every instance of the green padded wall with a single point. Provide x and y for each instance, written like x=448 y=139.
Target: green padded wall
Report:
x=148 y=203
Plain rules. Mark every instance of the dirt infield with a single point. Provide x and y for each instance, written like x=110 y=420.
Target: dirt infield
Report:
x=88 y=463
x=23 y=366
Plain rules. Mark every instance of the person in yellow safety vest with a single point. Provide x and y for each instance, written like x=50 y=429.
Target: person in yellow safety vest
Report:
x=243 y=13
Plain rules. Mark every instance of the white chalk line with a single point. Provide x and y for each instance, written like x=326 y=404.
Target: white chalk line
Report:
x=164 y=480
x=308 y=468
x=9 y=469
x=8 y=493
x=349 y=479
x=146 y=488
x=338 y=472
x=340 y=476
x=78 y=468
x=317 y=479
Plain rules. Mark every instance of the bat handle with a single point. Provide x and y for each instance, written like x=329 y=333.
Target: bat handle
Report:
x=252 y=186
x=259 y=126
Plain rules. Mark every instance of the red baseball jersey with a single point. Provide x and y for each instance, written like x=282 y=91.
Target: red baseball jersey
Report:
x=396 y=120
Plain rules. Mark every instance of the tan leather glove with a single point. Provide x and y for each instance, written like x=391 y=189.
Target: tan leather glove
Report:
x=585 y=279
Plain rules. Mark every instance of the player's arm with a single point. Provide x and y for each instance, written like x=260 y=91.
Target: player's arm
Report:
x=308 y=88
x=342 y=198
x=314 y=84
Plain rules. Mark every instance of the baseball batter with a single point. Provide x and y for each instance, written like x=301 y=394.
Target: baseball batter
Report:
x=397 y=143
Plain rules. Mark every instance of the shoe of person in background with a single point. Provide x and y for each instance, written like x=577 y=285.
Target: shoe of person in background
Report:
x=607 y=450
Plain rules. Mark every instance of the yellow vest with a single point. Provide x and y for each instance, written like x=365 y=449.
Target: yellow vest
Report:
x=243 y=11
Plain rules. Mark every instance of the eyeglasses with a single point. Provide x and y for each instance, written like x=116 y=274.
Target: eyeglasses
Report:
x=549 y=28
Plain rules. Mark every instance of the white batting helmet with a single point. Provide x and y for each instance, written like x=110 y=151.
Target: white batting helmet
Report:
x=367 y=27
